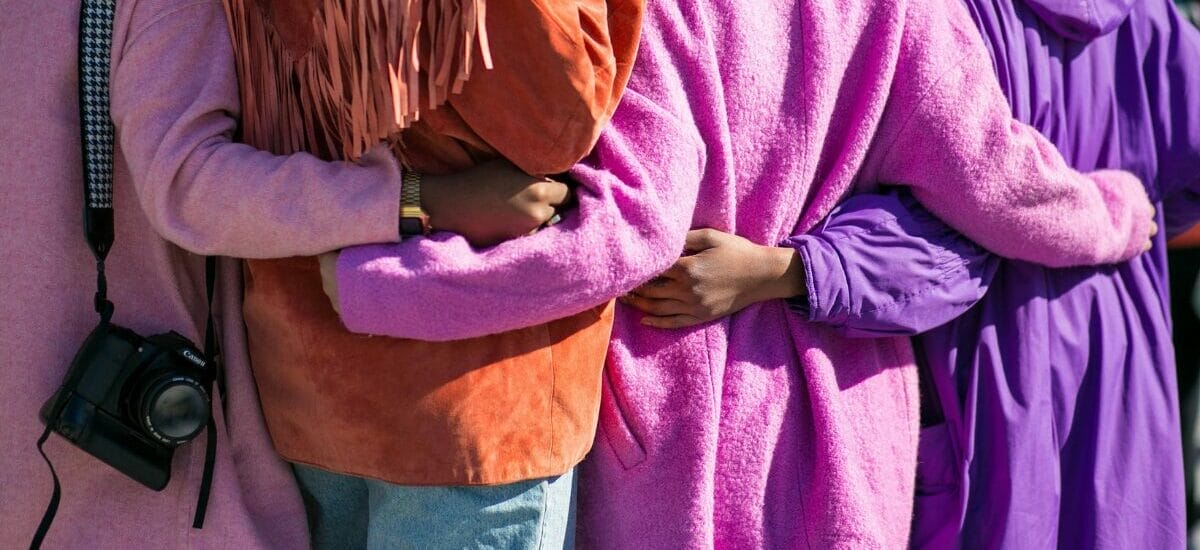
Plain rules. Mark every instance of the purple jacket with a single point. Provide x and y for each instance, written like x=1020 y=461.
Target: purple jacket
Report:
x=1055 y=420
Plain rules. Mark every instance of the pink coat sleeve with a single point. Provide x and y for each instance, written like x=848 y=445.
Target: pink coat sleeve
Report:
x=175 y=105
x=948 y=133
x=636 y=195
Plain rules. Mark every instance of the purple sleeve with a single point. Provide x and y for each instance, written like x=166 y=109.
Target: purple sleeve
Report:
x=636 y=196
x=882 y=265
x=1174 y=90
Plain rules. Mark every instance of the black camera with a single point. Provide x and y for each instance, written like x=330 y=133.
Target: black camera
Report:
x=129 y=400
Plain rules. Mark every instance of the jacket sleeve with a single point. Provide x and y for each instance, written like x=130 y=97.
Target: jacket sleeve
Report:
x=881 y=265
x=560 y=67
x=636 y=194
x=948 y=133
x=1172 y=66
x=175 y=105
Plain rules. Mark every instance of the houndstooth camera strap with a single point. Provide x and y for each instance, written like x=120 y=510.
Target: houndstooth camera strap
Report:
x=96 y=132
x=96 y=137
x=95 y=47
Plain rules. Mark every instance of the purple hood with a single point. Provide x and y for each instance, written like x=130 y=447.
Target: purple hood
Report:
x=1081 y=20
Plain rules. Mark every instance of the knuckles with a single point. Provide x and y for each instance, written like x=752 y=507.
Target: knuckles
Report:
x=538 y=193
x=707 y=309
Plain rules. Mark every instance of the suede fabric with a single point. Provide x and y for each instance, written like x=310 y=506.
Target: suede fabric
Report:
x=496 y=409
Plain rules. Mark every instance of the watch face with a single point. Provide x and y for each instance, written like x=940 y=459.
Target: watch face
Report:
x=411 y=227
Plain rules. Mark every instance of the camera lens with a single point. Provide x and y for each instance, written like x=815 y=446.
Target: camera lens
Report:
x=174 y=409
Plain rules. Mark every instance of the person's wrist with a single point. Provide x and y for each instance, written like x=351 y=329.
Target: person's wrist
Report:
x=414 y=220
x=784 y=276
x=437 y=202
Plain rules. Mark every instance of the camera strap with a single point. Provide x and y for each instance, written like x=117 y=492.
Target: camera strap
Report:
x=212 y=352
x=96 y=134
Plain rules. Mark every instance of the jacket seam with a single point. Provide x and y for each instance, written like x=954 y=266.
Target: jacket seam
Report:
x=948 y=268
x=891 y=147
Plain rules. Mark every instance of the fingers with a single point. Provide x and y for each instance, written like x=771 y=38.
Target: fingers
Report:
x=655 y=306
x=683 y=270
x=702 y=239
x=663 y=288
x=542 y=214
x=671 y=321
x=546 y=196
x=535 y=217
x=1150 y=241
x=328 y=263
x=668 y=300
x=554 y=193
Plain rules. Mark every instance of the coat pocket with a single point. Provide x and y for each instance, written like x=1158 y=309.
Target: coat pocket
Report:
x=616 y=428
x=936 y=510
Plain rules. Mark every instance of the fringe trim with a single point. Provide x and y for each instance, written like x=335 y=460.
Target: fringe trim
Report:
x=361 y=80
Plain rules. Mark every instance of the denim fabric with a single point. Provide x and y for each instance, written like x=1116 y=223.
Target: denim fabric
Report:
x=347 y=512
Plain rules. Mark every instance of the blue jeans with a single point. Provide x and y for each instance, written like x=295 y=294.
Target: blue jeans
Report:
x=355 y=513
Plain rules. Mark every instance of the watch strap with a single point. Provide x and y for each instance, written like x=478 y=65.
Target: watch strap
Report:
x=413 y=219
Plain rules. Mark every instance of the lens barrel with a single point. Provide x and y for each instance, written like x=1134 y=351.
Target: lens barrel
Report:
x=172 y=407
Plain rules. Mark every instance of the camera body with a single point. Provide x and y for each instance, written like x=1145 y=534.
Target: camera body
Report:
x=130 y=401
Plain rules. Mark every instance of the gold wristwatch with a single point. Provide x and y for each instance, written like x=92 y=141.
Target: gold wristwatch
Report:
x=414 y=222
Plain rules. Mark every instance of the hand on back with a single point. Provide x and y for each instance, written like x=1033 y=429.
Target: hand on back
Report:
x=723 y=274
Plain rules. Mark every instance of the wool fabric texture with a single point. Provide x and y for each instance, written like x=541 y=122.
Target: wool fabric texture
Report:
x=760 y=429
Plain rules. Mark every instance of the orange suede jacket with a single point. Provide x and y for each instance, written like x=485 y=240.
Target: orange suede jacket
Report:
x=334 y=77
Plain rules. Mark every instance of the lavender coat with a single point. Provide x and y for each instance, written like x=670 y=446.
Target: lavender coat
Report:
x=1055 y=418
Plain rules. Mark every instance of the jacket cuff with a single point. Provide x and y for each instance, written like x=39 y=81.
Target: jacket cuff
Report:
x=825 y=280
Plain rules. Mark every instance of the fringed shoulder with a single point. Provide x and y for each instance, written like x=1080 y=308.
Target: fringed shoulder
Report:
x=334 y=77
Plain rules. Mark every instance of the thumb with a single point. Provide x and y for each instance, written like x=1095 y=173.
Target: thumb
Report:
x=702 y=239
x=328 y=263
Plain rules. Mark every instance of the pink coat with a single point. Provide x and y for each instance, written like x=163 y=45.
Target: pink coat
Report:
x=182 y=187
x=760 y=430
